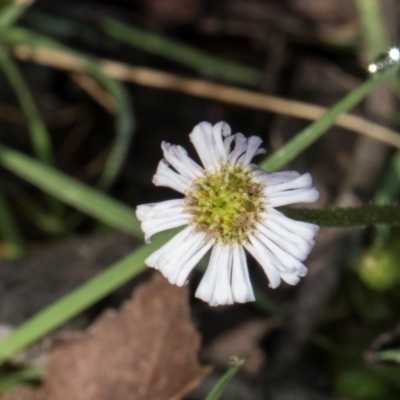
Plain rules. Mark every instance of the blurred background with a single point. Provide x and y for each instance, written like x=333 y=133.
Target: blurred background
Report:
x=91 y=88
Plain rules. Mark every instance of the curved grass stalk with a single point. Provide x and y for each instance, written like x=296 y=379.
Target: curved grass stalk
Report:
x=39 y=134
x=125 y=122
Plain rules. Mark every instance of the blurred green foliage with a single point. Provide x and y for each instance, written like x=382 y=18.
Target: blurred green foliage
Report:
x=379 y=265
x=368 y=295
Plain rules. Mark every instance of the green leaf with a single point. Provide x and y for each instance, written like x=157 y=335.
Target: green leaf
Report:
x=10 y=14
x=390 y=355
x=221 y=385
x=182 y=53
x=360 y=383
x=374 y=31
x=71 y=191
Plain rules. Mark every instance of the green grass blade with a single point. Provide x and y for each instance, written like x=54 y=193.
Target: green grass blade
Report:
x=310 y=134
x=390 y=187
x=390 y=355
x=181 y=53
x=124 y=123
x=39 y=135
x=71 y=191
x=375 y=34
x=62 y=28
x=78 y=300
x=376 y=41
x=14 y=379
x=44 y=220
x=374 y=31
x=18 y=35
x=221 y=385
x=9 y=230
x=10 y=14
x=124 y=126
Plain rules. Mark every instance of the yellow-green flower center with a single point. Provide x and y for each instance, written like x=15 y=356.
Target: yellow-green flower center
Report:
x=226 y=203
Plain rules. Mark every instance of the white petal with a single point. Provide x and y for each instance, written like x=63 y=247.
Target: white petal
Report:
x=201 y=139
x=176 y=242
x=253 y=143
x=300 y=228
x=166 y=177
x=264 y=256
x=293 y=196
x=239 y=149
x=302 y=182
x=169 y=260
x=220 y=130
x=177 y=265
x=215 y=287
x=162 y=208
x=260 y=151
x=186 y=265
x=290 y=277
x=151 y=226
x=242 y=290
x=178 y=158
x=208 y=144
x=293 y=244
x=275 y=177
x=283 y=261
x=227 y=144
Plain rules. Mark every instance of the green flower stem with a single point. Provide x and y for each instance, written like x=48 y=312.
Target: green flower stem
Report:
x=80 y=299
x=346 y=217
x=221 y=385
x=310 y=134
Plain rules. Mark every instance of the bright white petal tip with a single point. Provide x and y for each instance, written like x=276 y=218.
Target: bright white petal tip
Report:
x=215 y=287
x=228 y=206
x=165 y=176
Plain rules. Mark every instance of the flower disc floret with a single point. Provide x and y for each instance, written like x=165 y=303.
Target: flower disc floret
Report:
x=226 y=204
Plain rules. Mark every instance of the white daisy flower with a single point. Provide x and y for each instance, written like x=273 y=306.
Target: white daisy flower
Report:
x=228 y=205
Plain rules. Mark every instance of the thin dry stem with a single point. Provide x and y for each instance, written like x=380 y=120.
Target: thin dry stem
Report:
x=95 y=91
x=197 y=87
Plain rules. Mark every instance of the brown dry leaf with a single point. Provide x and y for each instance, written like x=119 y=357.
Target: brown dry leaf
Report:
x=146 y=351
x=22 y=393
